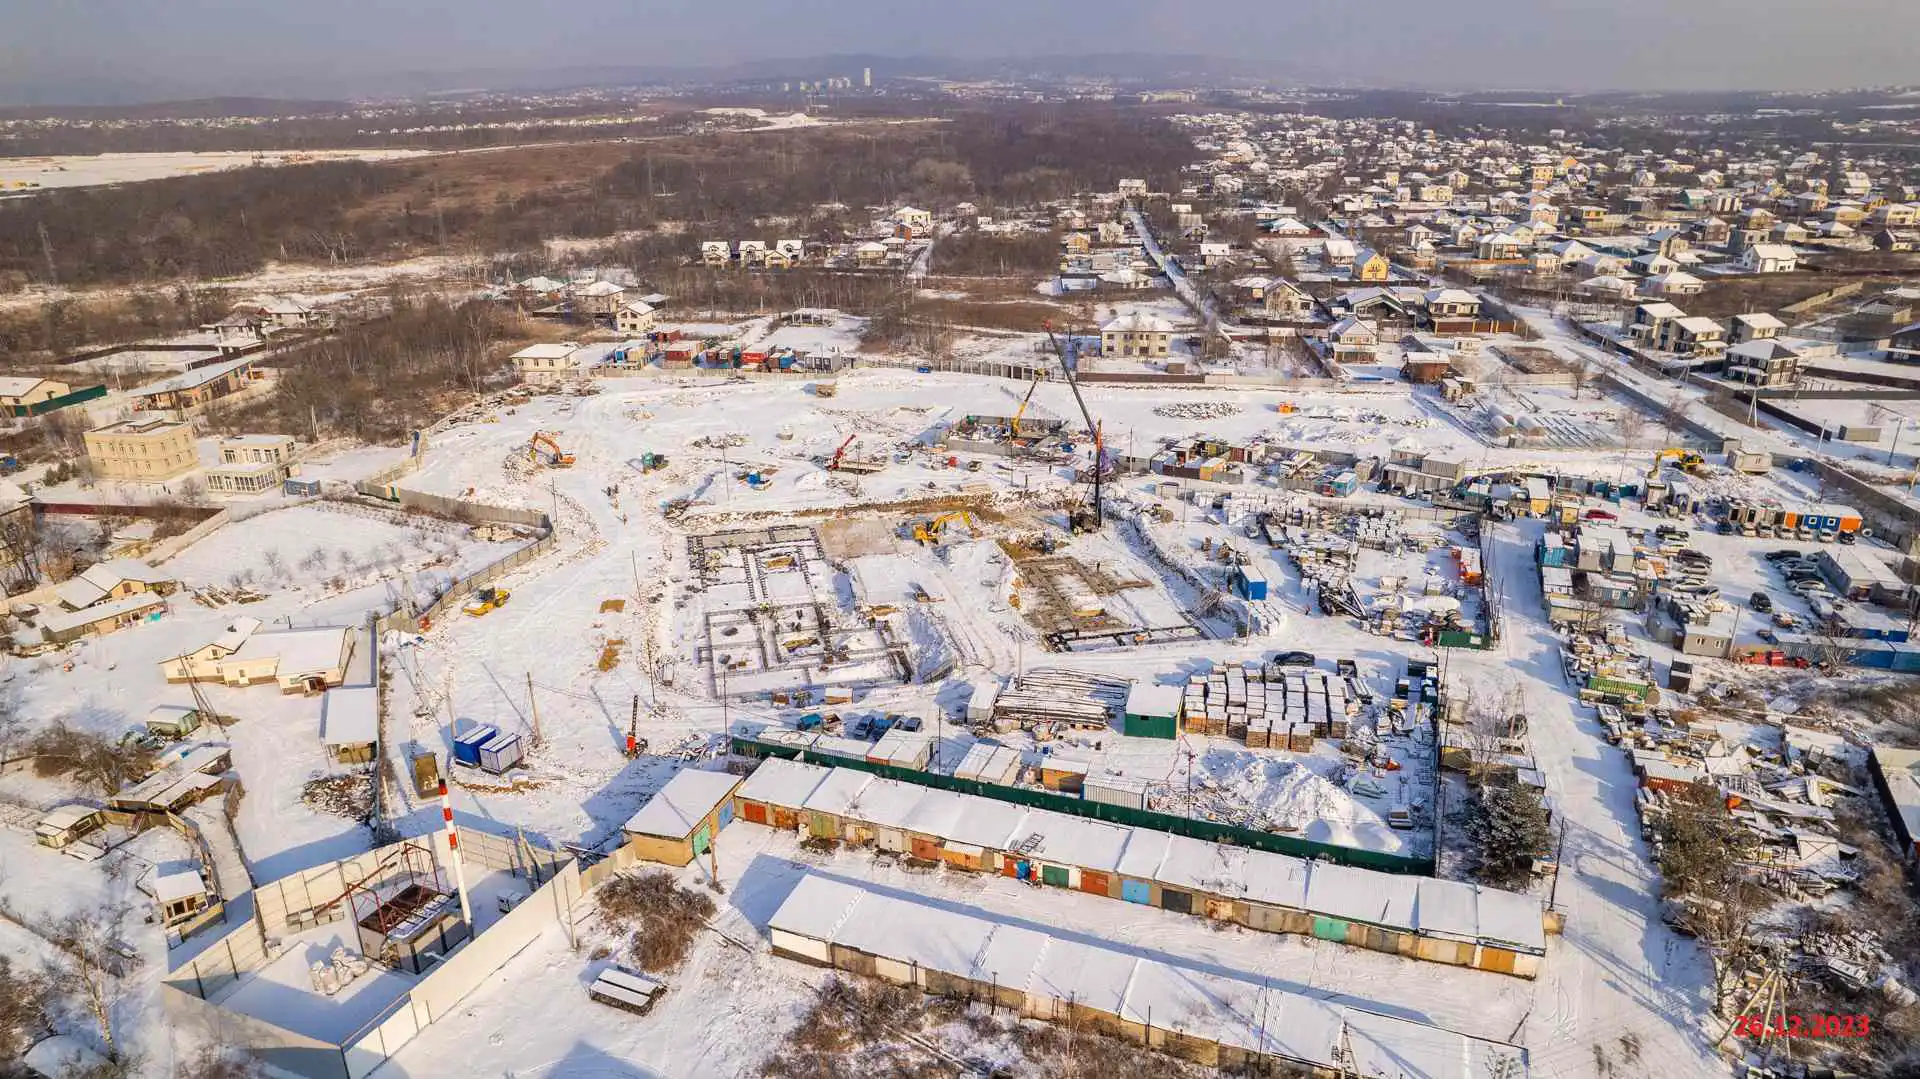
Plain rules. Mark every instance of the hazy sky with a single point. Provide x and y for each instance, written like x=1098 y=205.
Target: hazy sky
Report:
x=54 y=50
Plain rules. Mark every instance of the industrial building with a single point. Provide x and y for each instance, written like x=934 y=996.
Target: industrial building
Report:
x=679 y=822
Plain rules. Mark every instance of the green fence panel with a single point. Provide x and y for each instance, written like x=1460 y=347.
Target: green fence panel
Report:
x=1211 y=831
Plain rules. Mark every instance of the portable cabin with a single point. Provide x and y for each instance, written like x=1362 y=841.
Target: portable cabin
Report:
x=1152 y=711
x=679 y=822
x=902 y=748
x=1064 y=776
x=1248 y=583
x=173 y=720
x=501 y=753
x=1118 y=790
x=980 y=705
x=466 y=747
x=68 y=824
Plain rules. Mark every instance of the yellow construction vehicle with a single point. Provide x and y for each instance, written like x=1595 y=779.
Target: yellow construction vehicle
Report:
x=1025 y=401
x=1685 y=460
x=556 y=457
x=487 y=599
x=928 y=531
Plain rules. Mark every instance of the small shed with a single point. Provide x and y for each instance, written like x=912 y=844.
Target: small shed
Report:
x=625 y=990
x=173 y=720
x=1153 y=711
x=182 y=894
x=350 y=724
x=501 y=753
x=987 y=762
x=1119 y=790
x=902 y=748
x=67 y=824
x=678 y=824
x=1057 y=774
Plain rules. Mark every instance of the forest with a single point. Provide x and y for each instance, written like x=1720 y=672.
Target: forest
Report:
x=232 y=223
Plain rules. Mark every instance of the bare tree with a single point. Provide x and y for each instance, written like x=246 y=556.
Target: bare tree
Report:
x=1673 y=417
x=1582 y=377
x=93 y=964
x=23 y=1011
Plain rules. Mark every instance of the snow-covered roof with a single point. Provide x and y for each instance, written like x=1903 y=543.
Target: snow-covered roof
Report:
x=199 y=376
x=19 y=386
x=546 y=350
x=1150 y=699
x=63 y=621
x=1220 y=1007
x=679 y=807
x=782 y=782
x=298 y=651
x=178 y=884
x=97 y=580
x=350 y=716
x=1760 y=320
x=1137 y=322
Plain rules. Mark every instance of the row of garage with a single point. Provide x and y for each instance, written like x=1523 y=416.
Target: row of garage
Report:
x=1439 y=921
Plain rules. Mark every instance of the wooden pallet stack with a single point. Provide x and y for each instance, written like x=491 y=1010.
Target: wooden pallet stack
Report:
x=1050 y=695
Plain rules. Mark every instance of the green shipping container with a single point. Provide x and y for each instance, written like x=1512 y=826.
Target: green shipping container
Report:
x=1054 y=875
x=1150 y=726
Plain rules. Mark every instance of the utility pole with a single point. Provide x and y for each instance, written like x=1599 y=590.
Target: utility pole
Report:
x=533 y=706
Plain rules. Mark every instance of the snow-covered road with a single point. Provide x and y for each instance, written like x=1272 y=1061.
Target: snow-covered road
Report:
x=1617 y=972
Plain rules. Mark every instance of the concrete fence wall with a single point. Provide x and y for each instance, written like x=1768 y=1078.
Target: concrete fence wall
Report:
x=279 y=1049
x=1892 y=518
x=457 y=593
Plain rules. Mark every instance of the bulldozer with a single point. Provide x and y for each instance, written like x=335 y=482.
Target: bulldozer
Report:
x=1685 y=460
x=929 y=531
x=486 y=600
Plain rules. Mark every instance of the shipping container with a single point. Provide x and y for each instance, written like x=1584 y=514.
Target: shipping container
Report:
x=466 y=747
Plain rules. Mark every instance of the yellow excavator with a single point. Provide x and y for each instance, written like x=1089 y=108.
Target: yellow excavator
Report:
x=929 y=531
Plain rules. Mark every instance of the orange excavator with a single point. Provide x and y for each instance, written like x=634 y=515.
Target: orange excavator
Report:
x=556 y=457
x=834 y=465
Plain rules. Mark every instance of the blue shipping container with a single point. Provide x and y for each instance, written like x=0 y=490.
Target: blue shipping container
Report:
x=466 y=747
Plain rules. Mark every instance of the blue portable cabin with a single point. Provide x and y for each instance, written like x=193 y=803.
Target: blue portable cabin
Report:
x=296 y=486
x=1249 y=583
x=466 y=747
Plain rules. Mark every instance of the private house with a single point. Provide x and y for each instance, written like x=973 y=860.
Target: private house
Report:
x=189 y=776
x=277 y=313
x=1769 y=258
x=1757 y=326
x=1215 y=254
x=1077 y=243
x=1371 y=266
x=1452 y=304
x=1136 y=334
x=1353 y=339
x=1896 y=776
x=19 y=395
x=114 y=580
x=195 y=389
x=1676 y=283
x=1647 y=322
x=66 y=626
x=716 y=252
x=792 y=250
x=752 y=253
x=68 y=824
x=1501 y=247
x=1339 y=252
x=917 y=220
x=1286 y=301
x=1897 y=239
x=634 y=317
x=1898 y=215
x=150 y=450
x=600 y=299
x=679 y=822
x=1694 y=336
x=298 y=660
x=251 y=463
x=545 y=361
x=1763 y=362
x=870 y=253
x=538 y=289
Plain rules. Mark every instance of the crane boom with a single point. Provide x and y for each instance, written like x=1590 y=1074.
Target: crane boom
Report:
x=834 y=465
x=1025 y=401
x=1093 y=520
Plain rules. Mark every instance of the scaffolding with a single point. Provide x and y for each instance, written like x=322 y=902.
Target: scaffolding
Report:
x=403 y=912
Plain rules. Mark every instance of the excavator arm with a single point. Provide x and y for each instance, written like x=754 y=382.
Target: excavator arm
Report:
x=1093 y=519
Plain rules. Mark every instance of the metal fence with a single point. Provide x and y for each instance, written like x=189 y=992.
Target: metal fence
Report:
x=1126 y=816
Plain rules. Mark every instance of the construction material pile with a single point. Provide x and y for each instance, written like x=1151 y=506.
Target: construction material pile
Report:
x=1050 y=695
x=1285 y=708
x=1197 y=410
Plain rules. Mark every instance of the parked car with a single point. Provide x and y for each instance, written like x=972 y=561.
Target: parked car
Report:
x=1761 y=602
x=1294 y=659
x=1600 y=515
x=1782 y=555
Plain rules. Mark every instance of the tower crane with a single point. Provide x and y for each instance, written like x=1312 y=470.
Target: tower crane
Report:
x=1091 y=518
